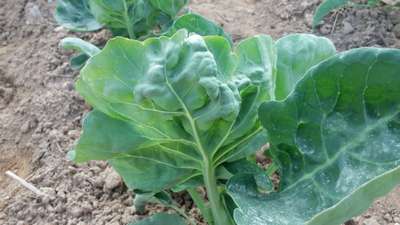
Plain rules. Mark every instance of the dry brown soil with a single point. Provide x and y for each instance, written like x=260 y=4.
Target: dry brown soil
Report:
x=40 y=112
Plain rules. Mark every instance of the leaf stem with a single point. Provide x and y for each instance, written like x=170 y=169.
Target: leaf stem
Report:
x=218 y=210
x=182 y=213
x=128 y=25
x=201 y=205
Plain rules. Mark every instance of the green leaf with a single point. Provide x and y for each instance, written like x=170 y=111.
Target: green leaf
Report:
x=161 y=219
x=165 y=106
x=325 y=8
x=198 y=24
x=141 y=162
x=78 y=61
x=245 y=167
x=135 y=18
x=85 y=51
x=79 y=45
x=75 y=15
x=170 y=7
x=297 y=53
x=336 y=139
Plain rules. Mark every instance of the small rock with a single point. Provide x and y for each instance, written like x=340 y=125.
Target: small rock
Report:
x=59 y=28
x=387 y=217
x=76 y=212
x=25 y=127
x=74 y=134
x=371 y=221
x=33 y=14
x=347 y=27
x=396 y=30
x=112 y=179
x=394 y=16
x=308 y=18
x=69 y=86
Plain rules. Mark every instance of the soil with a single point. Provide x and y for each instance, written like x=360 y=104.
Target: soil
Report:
x=40 y=112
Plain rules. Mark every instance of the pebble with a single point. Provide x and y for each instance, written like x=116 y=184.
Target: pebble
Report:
x=347 y=27
x=394 y=16
x=76 y=212
x=396 y=30
x=25 y=127
x=112 y=179
x=371 y=221
x=74 y=134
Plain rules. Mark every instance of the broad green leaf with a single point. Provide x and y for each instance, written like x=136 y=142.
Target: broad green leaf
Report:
x=170 y=7
x=198 y=24
x=257 y=58
x=297 y=53
x=336 y=139
x=325 y=8
x=161 y=219
x=75 y=15
x=142 y=163
x=167 y=105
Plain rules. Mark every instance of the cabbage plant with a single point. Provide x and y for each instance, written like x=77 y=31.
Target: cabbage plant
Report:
x=136 y=19
x=181 y=112
x=131 y=18
x=328 y=6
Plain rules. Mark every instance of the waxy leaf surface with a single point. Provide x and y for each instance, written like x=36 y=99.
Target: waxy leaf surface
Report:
x=296 y=54
x=164 y=105
x=336 y=139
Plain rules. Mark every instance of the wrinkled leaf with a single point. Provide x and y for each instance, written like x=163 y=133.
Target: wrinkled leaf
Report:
x=198 y=24
x=166 y=103
x=76 y=15
x=161 y=219
x=336 y=139
x=297 y=53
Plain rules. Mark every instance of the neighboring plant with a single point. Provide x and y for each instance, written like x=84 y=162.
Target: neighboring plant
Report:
x=136 y=19
x=130 y=18
x=329 y=5
x=176 y=113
